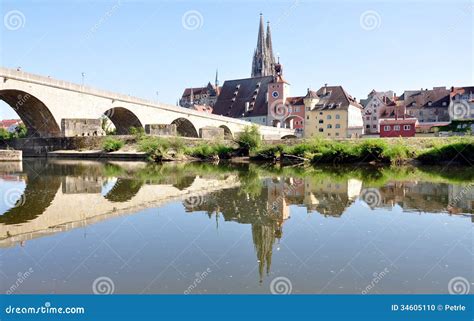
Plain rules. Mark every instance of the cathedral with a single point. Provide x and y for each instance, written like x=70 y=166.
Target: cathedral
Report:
x=263 y=58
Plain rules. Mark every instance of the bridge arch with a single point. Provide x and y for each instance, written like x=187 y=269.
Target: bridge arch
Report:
x=36 y=116
x=123 y=119
x=289 y=137
x=185 y=128
x=227 y=132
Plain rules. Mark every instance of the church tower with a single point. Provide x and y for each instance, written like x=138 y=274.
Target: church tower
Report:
x=263 y=58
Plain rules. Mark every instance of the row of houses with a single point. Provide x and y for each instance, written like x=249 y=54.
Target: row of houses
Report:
x=330 y=111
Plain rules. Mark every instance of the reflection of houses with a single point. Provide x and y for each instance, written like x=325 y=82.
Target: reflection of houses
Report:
x=331 y=198
x=461 y=198
x=416 y=196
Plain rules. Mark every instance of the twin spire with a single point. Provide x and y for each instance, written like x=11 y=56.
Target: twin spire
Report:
x=263 y=58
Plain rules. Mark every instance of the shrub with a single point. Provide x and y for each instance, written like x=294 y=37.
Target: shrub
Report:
x=154 y=147
x=210 y=150
x=459 y=152
x=111 y=144
x=137 y=131
x=177 y=144
x=250 y=139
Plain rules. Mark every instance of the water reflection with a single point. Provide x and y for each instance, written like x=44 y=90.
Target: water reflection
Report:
x=63 y=195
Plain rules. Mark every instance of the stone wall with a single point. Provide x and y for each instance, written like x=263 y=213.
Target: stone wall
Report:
x=10 y=155
x=161 y=130
x=209 y=132
x=81 y=127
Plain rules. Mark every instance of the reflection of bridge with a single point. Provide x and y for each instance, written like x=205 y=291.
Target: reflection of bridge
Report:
x=46 y=208
x=48 y=106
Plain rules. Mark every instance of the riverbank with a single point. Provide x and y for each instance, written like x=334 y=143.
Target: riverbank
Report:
x=454 y=150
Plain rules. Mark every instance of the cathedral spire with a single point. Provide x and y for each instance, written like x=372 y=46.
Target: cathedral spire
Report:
x=263 y=59
x=261 y=37
x=268 y=39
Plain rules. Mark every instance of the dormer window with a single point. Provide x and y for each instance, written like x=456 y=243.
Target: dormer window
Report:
x=444 y=103
x=430 y=103
x=258 y=84
x=237 y=87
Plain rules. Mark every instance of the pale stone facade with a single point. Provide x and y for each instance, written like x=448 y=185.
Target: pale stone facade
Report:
x=332 y=113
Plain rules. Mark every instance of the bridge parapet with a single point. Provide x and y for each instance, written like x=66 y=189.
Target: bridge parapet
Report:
x=117 y=99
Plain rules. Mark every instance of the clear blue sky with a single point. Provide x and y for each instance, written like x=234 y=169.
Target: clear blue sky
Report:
x=142 y=47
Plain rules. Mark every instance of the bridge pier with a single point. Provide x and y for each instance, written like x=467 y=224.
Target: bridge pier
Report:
x=81 y=127
x=161 y=129
x=210 y=132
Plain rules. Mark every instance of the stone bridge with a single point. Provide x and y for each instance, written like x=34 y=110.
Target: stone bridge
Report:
x=54 y=108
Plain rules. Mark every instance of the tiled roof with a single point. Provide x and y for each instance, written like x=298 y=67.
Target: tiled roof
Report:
x=437 y=97
x=462 y=90
x=236 y=93
x=332 y=97
x=295 y=100
x=9 y=122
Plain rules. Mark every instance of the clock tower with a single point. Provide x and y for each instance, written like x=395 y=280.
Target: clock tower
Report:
x=278 y=92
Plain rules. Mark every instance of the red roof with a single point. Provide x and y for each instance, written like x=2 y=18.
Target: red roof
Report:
x=6 y=123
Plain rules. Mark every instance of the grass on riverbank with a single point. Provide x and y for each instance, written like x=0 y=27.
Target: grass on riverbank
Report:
x=396 y=152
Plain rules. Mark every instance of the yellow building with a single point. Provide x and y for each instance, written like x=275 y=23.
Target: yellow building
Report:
x=332 y=113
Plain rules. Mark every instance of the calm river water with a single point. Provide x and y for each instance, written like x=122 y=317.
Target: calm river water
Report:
x=130 y=227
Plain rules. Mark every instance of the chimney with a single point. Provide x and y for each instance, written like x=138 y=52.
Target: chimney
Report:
x=452 y=88
x=325 y=90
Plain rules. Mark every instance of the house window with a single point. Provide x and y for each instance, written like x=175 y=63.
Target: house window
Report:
x=338 y=116
x=374 y=118
x=374 y=126
x=329 y=134
x=297 y=109
x=308 y=108
x=329 y=126
x=338 y=126
x=307 y=117
x=321 y=121
x=386 y=128
x=328 y=117
x=367 y=126
x=320 y=112
x=396 y=127
x=406 y=127
x=321 y=130
x=367 y=118
x=337 y=134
